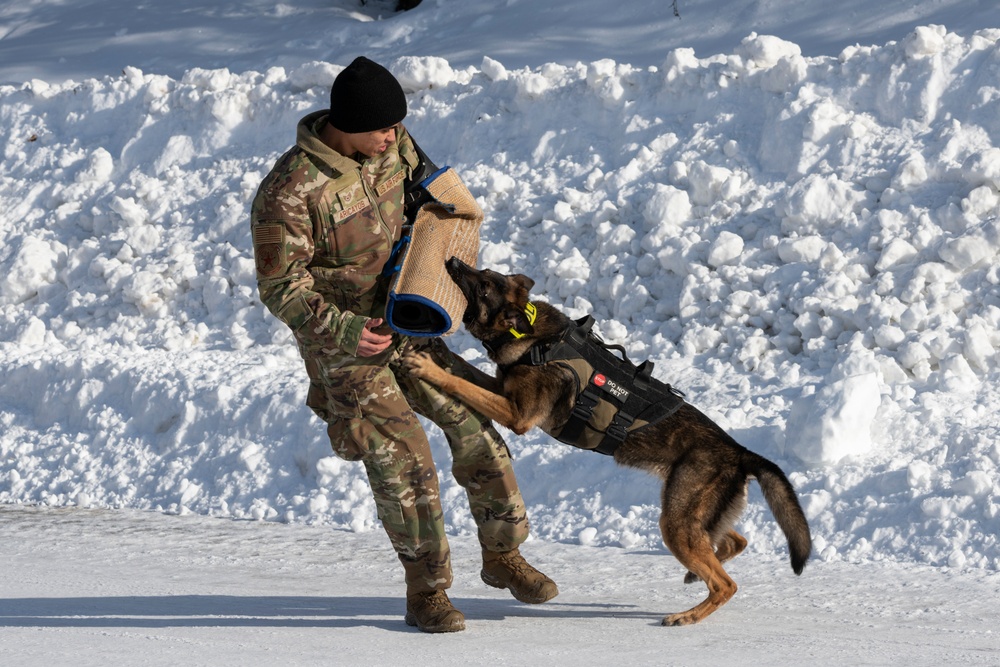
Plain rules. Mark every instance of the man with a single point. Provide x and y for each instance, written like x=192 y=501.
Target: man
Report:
x=324 y=222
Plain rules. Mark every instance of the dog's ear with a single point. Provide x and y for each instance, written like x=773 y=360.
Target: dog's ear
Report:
x=515 y=318
x=522 y=282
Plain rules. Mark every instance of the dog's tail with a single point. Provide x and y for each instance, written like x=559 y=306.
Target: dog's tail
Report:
x=784 y=504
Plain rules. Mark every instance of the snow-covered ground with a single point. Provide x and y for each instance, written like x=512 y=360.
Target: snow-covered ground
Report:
x=94 y=588
x=794 y=212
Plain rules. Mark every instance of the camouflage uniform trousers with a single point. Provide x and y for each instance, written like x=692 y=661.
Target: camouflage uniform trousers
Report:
x=370 y=406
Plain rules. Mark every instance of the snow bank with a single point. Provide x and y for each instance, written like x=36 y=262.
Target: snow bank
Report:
x=806 y=246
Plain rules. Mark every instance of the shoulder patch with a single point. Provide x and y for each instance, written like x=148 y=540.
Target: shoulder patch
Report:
x=268 y=247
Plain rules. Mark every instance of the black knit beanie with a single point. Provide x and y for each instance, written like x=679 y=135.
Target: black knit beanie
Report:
x=366 y=97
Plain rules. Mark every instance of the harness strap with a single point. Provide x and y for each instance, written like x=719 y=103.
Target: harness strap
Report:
x=662 y=405
x=581 y=414
x=644 y=375
x=616 y=433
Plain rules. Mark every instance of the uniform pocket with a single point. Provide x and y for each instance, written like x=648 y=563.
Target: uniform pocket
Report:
x=389 y=511
x=338 y=406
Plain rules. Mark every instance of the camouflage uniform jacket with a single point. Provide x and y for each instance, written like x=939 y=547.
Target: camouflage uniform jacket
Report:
x=323 y=227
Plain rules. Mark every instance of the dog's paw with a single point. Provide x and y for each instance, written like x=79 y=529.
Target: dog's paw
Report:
x=683 y=618
x=420 y=364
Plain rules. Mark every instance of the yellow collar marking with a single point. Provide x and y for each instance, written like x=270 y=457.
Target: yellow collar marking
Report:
x=532 y=313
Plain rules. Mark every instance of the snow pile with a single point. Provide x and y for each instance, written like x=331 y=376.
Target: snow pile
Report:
x=806 y=246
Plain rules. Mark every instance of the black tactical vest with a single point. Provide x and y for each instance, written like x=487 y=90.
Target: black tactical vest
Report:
x=614 y=396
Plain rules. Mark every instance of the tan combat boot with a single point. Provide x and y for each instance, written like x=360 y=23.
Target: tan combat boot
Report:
x=509 y=570
x=432 y=611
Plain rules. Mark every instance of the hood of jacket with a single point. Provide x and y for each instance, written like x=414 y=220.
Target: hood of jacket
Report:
x=307 y=138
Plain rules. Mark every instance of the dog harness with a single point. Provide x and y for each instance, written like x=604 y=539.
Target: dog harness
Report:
x=614 y=397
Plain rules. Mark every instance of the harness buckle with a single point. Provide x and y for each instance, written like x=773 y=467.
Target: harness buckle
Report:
x=585 y=405
x=578 y=418
x=618 y=428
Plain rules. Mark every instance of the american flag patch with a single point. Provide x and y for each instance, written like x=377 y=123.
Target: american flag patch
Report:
x=268 y=234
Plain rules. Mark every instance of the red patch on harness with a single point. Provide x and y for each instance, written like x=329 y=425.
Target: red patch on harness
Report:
x=599 y=380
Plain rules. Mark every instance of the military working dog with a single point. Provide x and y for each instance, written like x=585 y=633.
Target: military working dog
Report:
x=705 y=472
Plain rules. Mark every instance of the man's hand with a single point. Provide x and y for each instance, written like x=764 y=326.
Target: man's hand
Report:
x=372 y=342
